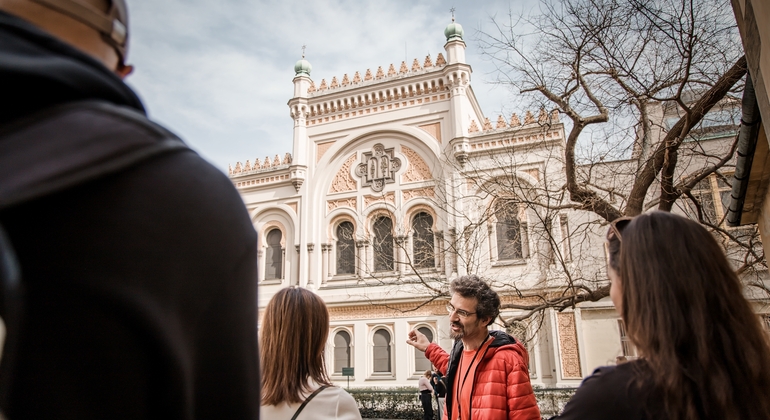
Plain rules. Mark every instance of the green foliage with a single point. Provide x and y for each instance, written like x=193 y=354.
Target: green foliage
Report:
x=551 y=401
x=404 y=402
x=388 y=403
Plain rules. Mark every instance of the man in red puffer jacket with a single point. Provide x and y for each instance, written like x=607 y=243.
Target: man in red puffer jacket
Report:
x=486 y=373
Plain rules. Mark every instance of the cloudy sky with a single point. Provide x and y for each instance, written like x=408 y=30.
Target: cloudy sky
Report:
x=219 y=73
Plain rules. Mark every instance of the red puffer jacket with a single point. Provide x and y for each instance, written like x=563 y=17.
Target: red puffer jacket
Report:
x=501 y=387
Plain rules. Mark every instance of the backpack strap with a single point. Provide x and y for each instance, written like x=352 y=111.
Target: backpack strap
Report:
x=52 y=150
x=307 y=400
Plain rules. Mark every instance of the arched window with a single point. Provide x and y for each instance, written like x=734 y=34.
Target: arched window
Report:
x=421 y=363
x=341 y=351
x=508 y=231
x=422 y=241
x=382 y=351
x=273 y=263
x=383 y=244
x=346 y=249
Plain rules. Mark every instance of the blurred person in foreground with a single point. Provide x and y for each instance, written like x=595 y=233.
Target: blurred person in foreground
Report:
x=137 y=257
x=295 y=384
x=703 y=352
x=486 y=373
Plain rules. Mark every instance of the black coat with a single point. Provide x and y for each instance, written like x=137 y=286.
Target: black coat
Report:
x=141 y=295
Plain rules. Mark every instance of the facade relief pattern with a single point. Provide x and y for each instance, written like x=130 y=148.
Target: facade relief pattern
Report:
x=418 y=192
x=345 y=202
x=371 y=199
x=568 y=346
x=378 y=167
x=321 y=148
x=343 y=181
x=434 y=130
x=534 y=173
x=417 y=170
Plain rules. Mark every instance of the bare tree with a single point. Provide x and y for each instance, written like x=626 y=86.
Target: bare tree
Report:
x=635 y=79
x=648 y=90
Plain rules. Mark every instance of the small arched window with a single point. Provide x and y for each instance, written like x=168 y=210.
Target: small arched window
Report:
x=273 y=263
x=381 y=351
x=341 y=351
x=383 y=244
x=421 y=363
x=422 y=241
x=346 y=249
x=508 y=231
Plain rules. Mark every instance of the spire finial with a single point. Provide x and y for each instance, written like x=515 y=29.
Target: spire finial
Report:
x=303 y=51
x=453 y=13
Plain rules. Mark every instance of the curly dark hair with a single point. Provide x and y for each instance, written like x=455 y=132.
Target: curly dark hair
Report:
x=473 y=286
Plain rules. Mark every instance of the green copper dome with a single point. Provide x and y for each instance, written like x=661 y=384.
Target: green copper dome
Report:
x=302 y=67
x=453 y=31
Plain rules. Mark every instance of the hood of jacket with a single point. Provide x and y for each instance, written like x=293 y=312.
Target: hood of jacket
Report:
x=501 y=341
x=38 y=71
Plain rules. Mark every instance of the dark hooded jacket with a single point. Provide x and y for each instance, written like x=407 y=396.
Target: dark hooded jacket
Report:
x=501 y=386
x=140 y=285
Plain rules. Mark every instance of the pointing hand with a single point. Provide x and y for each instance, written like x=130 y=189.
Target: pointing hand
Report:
x=418 y=340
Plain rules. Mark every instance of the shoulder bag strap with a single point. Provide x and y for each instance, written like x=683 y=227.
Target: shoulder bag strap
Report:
x=307 y=400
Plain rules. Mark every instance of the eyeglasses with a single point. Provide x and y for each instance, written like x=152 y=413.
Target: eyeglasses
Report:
x=461 y=313
x=616 y=226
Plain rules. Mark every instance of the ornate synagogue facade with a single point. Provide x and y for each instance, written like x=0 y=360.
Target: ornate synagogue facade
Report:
x=398 y=183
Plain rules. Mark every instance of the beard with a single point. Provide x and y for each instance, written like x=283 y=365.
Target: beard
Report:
x=459 y=334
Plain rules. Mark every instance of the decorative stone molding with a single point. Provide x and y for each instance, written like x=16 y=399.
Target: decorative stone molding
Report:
x=297 y=173
x=261 y=181
x=310 y=247
x=433 y=129
x=371 y=199
x=501 y=122
x=417 y=170
x=345 y=202
x=537 y=136
x=343 y=181
x=245 y=169
x=273 y=224
x=418 y=192
x=396 y=310
x=474 y=128
x=321 y=148
x=568 y=346
x=378 y=167
x=293 y=206
x=529 y=118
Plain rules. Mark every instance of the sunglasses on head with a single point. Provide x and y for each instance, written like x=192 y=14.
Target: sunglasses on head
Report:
x=616 y=226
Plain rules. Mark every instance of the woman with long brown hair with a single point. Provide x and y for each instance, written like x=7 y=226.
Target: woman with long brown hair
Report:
x=295 y=384
x=703 y=352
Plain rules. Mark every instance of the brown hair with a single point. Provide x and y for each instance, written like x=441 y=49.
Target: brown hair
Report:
x=293 y=335
x=704 y=348
x=473 y=286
